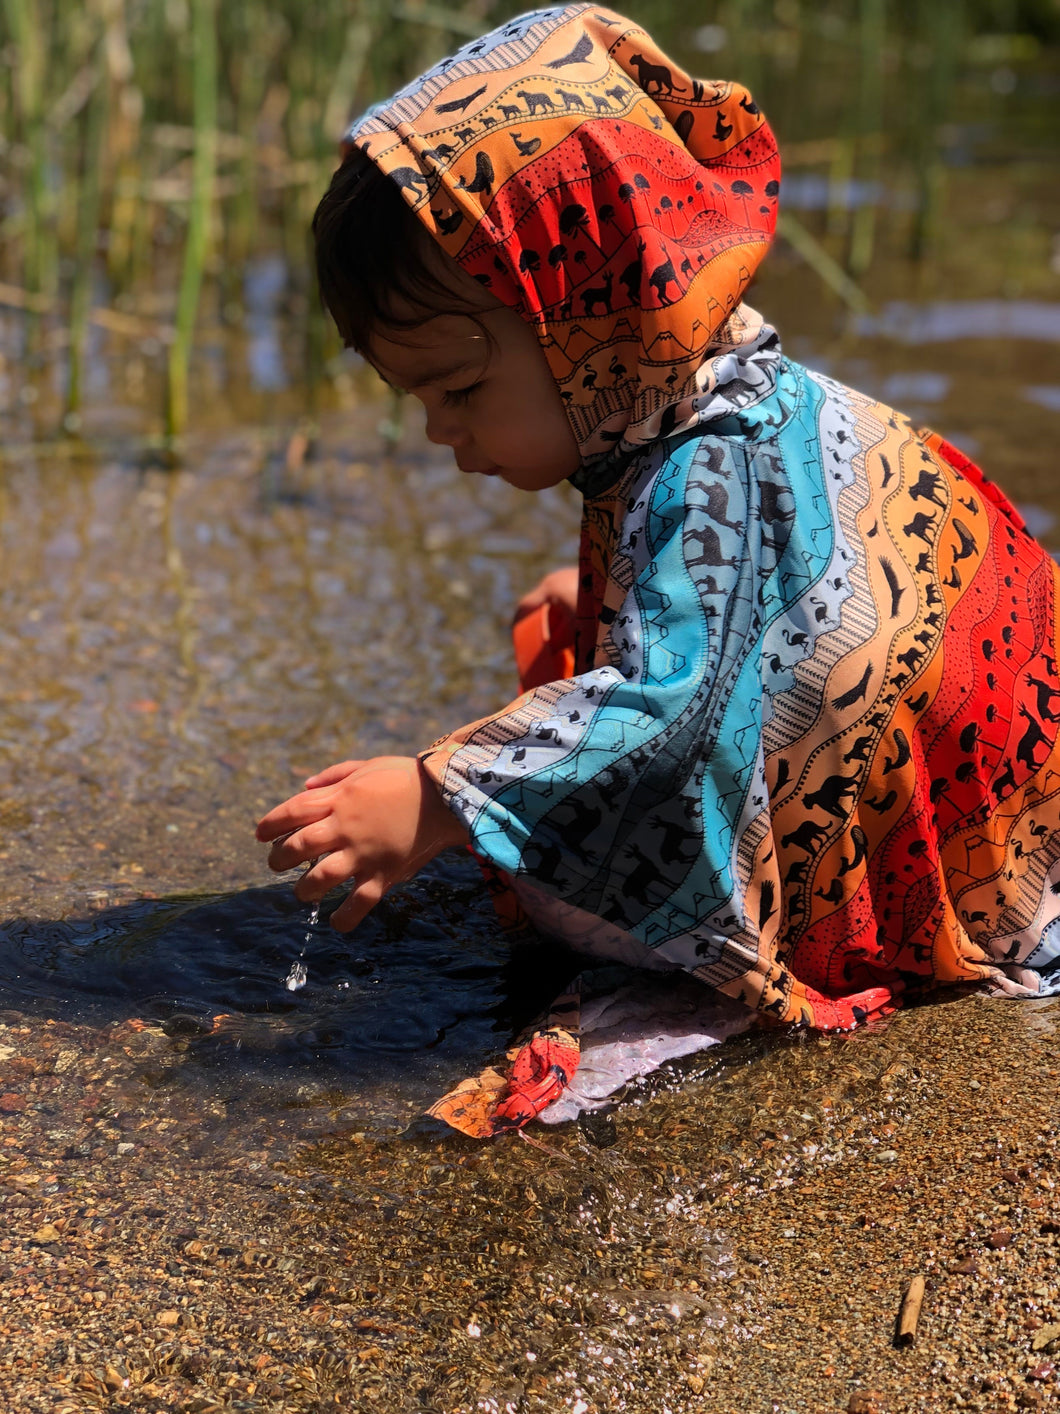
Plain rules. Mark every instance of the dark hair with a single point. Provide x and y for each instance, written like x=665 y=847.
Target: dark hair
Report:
x=370 y=246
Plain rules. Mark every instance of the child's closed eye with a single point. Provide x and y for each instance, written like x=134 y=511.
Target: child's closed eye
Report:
x=456 y=397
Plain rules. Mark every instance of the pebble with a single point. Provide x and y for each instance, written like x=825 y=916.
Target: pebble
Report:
x=1045 y=1335
x=865 y=1402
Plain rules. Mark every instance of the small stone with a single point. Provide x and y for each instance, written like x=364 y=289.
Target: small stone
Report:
x=168 y=1318
x=1001 y=1238
x=11 y=1104
x=113 y=1379
x=47 y=1233
x=865 y=1401
x=126 y=1148
x=968 y=1267
x=974 y=1085
x=1045 y=1336
x=1042 y=1371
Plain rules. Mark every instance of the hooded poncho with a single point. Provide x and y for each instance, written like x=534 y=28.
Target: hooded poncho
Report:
x=809 y=750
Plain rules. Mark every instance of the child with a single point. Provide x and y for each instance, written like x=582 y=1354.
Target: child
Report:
x=809 y=748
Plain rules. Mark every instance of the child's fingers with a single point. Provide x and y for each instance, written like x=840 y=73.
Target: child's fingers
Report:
x=304 y=809
x=308 y=843
x=329 y=871
x=358 y=903
x=331 y=775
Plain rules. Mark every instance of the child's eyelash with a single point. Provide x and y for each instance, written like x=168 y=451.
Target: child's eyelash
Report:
x=456 y=397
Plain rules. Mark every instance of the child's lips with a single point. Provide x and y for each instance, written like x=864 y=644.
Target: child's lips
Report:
x=480 y=470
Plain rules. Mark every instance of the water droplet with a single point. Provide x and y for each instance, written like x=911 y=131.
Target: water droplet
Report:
x=299 y=973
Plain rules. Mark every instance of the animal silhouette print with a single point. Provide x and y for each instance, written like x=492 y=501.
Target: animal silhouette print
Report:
x=661 y=278
x=535 y=102
x=599 y=294
x=633 y=274
x=528 y=147
x=577 y=55
x=484 y=176
x=657 y=74
x=460 y=105
x=833 y=794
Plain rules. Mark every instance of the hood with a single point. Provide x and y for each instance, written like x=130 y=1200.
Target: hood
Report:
x=619 y=206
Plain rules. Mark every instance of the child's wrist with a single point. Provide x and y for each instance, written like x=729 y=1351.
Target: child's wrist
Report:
x=447 y=830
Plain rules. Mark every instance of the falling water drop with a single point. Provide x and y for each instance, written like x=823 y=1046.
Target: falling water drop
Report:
x=299 y=973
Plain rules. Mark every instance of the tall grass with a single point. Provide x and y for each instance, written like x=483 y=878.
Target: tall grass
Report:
x=200 y=207
x=149 y=151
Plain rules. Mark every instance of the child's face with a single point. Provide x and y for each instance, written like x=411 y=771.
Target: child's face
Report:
x=497 y=407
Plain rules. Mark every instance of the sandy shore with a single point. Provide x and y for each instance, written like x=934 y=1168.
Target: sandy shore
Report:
x=174 y=1240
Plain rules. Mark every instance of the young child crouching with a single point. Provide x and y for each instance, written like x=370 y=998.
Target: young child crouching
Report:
x=808 y=750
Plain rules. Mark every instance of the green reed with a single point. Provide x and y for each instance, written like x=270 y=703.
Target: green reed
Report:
x=872 y=47
x=90 y=190
x=200 y=208
x=24 y=21
x=943 y=34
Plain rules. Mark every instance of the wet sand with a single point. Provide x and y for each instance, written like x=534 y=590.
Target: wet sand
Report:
x=172 y=1241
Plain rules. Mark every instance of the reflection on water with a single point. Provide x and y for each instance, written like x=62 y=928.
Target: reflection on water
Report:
x=1046 y=396
x=264 y=286
x=947 y=321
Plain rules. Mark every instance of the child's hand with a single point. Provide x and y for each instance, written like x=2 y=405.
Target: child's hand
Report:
x=376 y=821
x=558 y=589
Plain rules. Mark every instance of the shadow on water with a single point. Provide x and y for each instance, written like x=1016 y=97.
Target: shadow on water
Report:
x=428 y=979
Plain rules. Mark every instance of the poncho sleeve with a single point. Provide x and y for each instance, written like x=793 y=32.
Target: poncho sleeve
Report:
x=622 y=790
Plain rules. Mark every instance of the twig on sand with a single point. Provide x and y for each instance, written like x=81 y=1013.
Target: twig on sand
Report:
x=545 y=1148
x=909 y=1312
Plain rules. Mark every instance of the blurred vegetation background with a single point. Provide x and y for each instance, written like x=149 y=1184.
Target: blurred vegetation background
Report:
x=161 y=159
